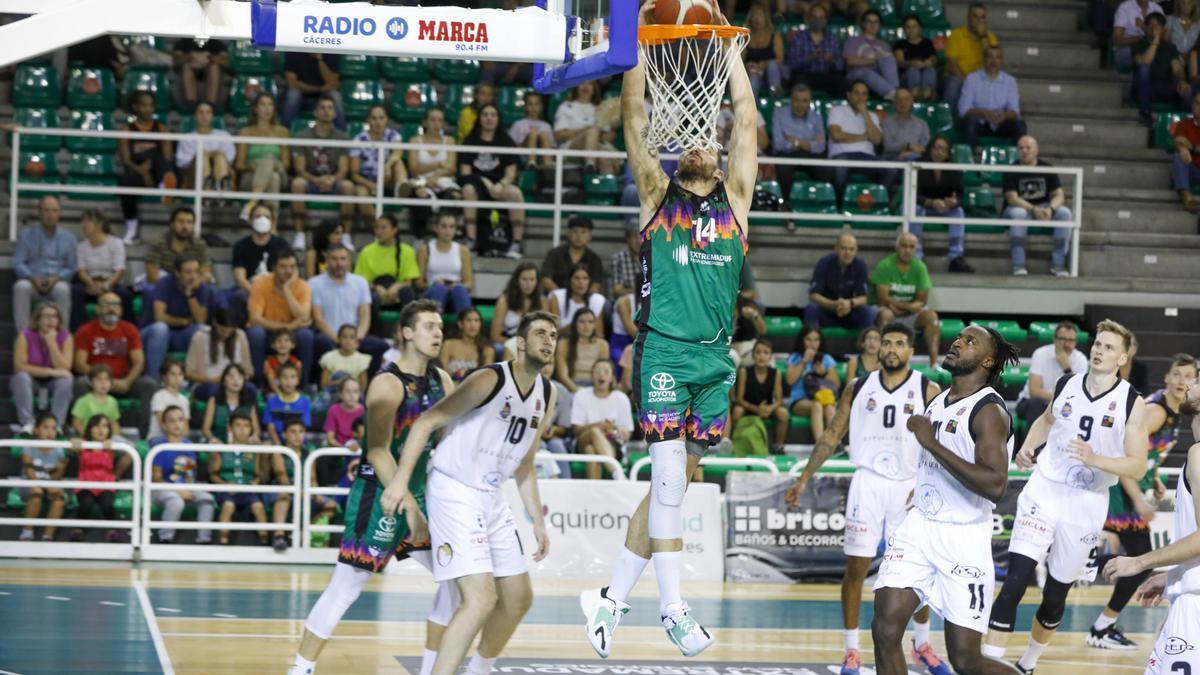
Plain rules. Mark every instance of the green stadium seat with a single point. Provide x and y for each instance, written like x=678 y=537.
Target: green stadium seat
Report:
x=92 y=120
x=187 y=123
x=1015 y=376
x=93 y=165
x=301 y=123
x=38 y=118
x=813 y=197
x=950 y=328
x=359 y=95
x=1009 y=330
x=1162 y=130
x=869 y=199
x=246 y=59
x=997 y=155
x=961 y=153
x=451 y=71
x=511 y=100
x=91 y=88
x=1043 y=331
x=934 y=373
x=931 y=12
x=938 y=117
x=405 y=69
x=770 y=186
x=601 y=189
x=459 y=96
x=149 y=79
x=358 y=67
x=799 y=422
x=980 y=202
x=784 y=326
x=35 y=85
x=486 y=312
x=844 y=31
x=410 y=101
x=39 y=166
x=246 y=87
x=839 y=333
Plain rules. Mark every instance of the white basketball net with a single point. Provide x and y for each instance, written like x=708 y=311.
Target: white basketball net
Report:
x=686 y=78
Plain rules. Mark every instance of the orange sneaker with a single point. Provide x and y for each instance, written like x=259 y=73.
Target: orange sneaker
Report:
x=924 y=655
x=851 y=663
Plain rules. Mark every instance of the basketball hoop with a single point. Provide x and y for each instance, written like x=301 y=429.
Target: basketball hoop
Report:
x=687 y=68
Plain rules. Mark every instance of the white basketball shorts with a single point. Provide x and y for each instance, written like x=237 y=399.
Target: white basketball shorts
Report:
x=875 y=507
x=1177 y=651
x=1059 y=525
x=470 y=531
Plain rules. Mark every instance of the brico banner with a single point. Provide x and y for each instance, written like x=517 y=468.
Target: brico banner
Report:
x=528 y=34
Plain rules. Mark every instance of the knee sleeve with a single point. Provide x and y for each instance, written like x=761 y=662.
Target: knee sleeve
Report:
x=668 y=482
x=445 y=602
x=343 y=589
x=1004 y=609
x=1054 y=603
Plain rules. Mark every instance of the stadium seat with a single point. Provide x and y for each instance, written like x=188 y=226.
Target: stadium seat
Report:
x=934 y=373
x=92 y=166
x=410 y=101
x=1043 y=331
x=359 y=95
x=867 y=199
x=1162 y=130
x=773 y=188
x=459 y=96
x=246 y=59
x=39 y=166
x=939 y=118
x=980 y=202
x=358 y=67
x=1015 y=376
x=153 y=80
x=301 y=123
x=405 y=69
x=950 y=328
x=92 y=120
x=931 y=12
x=961 y=153
x=813 y=197
x=245 y=88
x=1009 y=330
x=38 y=118
x=35 y=85
x=996 y=155
x=601 y=189
x=783 y=326
x=91 y=88
x=511 y=100
x=187 y=123
x=453 y=71
x=839 y=333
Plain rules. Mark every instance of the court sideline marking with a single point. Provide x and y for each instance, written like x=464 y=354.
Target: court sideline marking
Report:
x=160 y=647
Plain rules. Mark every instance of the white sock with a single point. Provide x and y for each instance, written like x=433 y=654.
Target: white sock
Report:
x=1103 y=621
x=304 y=664
x=666 y=571
x=992 y=652
x=131 y=228
x=1032 y=653
x=625 y=575
x=920 y=633
x=850 y=637
x=427 y=660
x=479 y=665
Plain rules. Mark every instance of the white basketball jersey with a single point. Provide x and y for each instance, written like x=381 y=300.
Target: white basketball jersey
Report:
x=1100 y=422
x=483 y=448
x=1184 y=577
x=878 y=419
x=939 y=496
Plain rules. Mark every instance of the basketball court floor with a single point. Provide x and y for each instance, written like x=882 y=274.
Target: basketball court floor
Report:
x=94 y=617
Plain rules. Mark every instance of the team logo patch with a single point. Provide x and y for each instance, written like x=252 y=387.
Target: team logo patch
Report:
x=967 y=572
x=1066 y=410
x=492 y=479
x=1176 y=645
x=928 y=500
x=1108 y=421
x=1081 y=477
x=533 y=422
x=537 y=406
x=444 y=554
x=1091 y=539
x=871 y=405
x=387 y=524
x=911 y=394
x=662 y=381
x=951 y=426
x=506 y=411
x=1112 y=406
x=908 y=407
x=960 y=411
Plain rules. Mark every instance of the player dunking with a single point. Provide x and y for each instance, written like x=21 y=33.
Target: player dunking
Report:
x=401 y=392
x=1177 y=651
x=941 y=555
x=876 y=413
x=694 y=240
x=1093 y=433
x=495 y=421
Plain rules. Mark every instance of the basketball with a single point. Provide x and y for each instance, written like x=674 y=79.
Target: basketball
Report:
x=684 y=11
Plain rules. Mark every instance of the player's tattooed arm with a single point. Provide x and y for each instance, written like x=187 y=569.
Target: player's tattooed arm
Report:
x=643 y=160
x=1183 y=550
x=987 y=476
x=826 y=445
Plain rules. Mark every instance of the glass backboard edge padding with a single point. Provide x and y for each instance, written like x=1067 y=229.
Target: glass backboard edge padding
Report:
x=621 y=55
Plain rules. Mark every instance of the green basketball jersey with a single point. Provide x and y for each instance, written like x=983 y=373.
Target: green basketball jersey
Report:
x=420 y=394
x=692 y=254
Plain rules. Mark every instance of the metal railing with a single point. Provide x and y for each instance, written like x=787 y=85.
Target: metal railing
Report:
x=713 y=461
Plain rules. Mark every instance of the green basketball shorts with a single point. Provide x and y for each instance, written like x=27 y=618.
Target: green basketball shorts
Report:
x=371 y=539
x=682 y=388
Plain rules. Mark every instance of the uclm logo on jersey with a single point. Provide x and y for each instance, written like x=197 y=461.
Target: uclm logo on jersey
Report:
x=453 y=31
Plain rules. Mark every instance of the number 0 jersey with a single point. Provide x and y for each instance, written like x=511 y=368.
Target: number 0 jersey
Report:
x=483 y=448
x=878 y=424
x=692 y=254
x=1099 y=421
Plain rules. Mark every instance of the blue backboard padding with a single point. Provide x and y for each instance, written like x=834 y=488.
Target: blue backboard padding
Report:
x=262 y=23
x=620 y=56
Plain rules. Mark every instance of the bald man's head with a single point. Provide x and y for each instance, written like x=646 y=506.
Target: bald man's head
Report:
x=847 y=248
x=906 y=247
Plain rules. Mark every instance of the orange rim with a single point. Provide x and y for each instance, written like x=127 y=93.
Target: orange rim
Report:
x=660 y=33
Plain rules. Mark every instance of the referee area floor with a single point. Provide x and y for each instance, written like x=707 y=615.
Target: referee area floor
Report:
x=101 y=617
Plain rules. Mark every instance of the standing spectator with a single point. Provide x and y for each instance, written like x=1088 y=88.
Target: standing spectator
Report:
x=286 y=405
x=98 y=466
x=115 y=343
x=575 y=126
x=1158 y=74
x=905 y=135
x=43 y=464
x=625 y=266
x=814 y=54
x=341 y=298
x=262 y=167
x=364 y=161
x=145 y=163
x=487 y=176
x=837 y=293
x=867 y=359
x=44 y=259
x=178 y=467
x=760 y=393
x=212 y=349
x=485 y=95
x=181 y=303
x=1182 y=26
x=237 y=467
x=42 y=363
x=219 y=154
x=329 y=233
x=97 y=401
x=389 y=266
x=601 y=417
x=901 y=286
x=282 y=300
x=797 y=132
x=445 y=266
x=561 y=261
x=339 y=421
x=171 y=395
x=179 y=241
x=521 y=296
x=309 y=76
x=748 y=327
x=1036 y=196
x=469 y=349
x=579 y=350
x=1048 y=364
x=1185 y=163
x=764 y=53
x=1129 y=27
x=532 y=131
x=252 y=253
x=870 y=59
x=939 y=193
x=989 y=104
x=101 y=265
x=853 y=135
x=343 y=363
x=195 y=65
x=964 y=52
x=234 y=396
x=917 y=60
x=812 y=380
x=320 y=170
x=578 y=295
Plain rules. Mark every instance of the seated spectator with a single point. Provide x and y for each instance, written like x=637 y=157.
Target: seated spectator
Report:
x=341 y=298
x=101 y=260
x=625 y=266
x=196 y=64
x=579 y=350
x=1047 y=365
x=838 y=292
x=905 y=136
x=309 y=76
x=867 y=359
x=319 y=169
x=1185 y=163
x=624 y=325
x=522 y=295
x=288 y=404
x=812 y=380
x=533 y=132
x=145 y=163
x=180 y=468
x=759 y=393
x=487 y=176
x=764 y=53
x=396 y=348
x=565 y=302
x=44 y=259
x=283 y=344
x=601 y=417
x=870 y=60
x=558 y=433
x=235 y=395
x=1036 y=196
x=814 y=54
x=917 y=60
x=854 y=134
x=99 y=466
x=97 y=401
x=990 y=104
x=901 y=286
x=725 y=121
x=485 y=95
x=626 y=366
x=279 y=469
x=964 y=52
x=469 y=349
x=345 y=362
x=42 y=361
x=43 y=464
x=339 y=421
x=446 y=273
x=212 y=349
x=117 y=344
x=389 y=266
x=329 y=233
x=1158 y=74
x=1129 y=28
x=281 y=300
x=262 y=167
x=236 y=467
x=432 y=175
x=219 y=153
x=797 y=132
x=561 y=261
x=252 y=254
x=364 y=161
x=939 y=193
x=180 y=308
x=180 y=241
x=170 y=396
x=576 y=128
x=748 y=327
x=1182 y=25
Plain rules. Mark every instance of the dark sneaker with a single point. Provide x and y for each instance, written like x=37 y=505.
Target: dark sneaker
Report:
x=960 y=265
x=1021 y=669
x=1110 y=638
x=279 y=543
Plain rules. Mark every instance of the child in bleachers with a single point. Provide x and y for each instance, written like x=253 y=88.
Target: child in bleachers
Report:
x=43 y=464
x=280 y=471
x=282 y=343
x=170 y=396
x=346 y=479
x=238 y=468
x=97 y=401
x=96 y=465
x=601 y=417
x=179 y=467
x=760 y=395
x=232 y=397
x=345 y=361
x=286 y=405
x=339 y=421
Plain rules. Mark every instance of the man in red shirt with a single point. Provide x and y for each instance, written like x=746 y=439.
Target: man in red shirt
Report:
x=116 y=343
x=1185 y=166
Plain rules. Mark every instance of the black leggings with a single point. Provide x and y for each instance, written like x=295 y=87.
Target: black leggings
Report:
x=104 y=500
x=1134 y=543
x=160 y=166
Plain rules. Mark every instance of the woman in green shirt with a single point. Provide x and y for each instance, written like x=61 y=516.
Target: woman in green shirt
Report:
x=390 y=267
x=262 y=168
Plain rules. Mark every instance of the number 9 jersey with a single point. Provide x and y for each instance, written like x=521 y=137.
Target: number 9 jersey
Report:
x=1099 y=421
